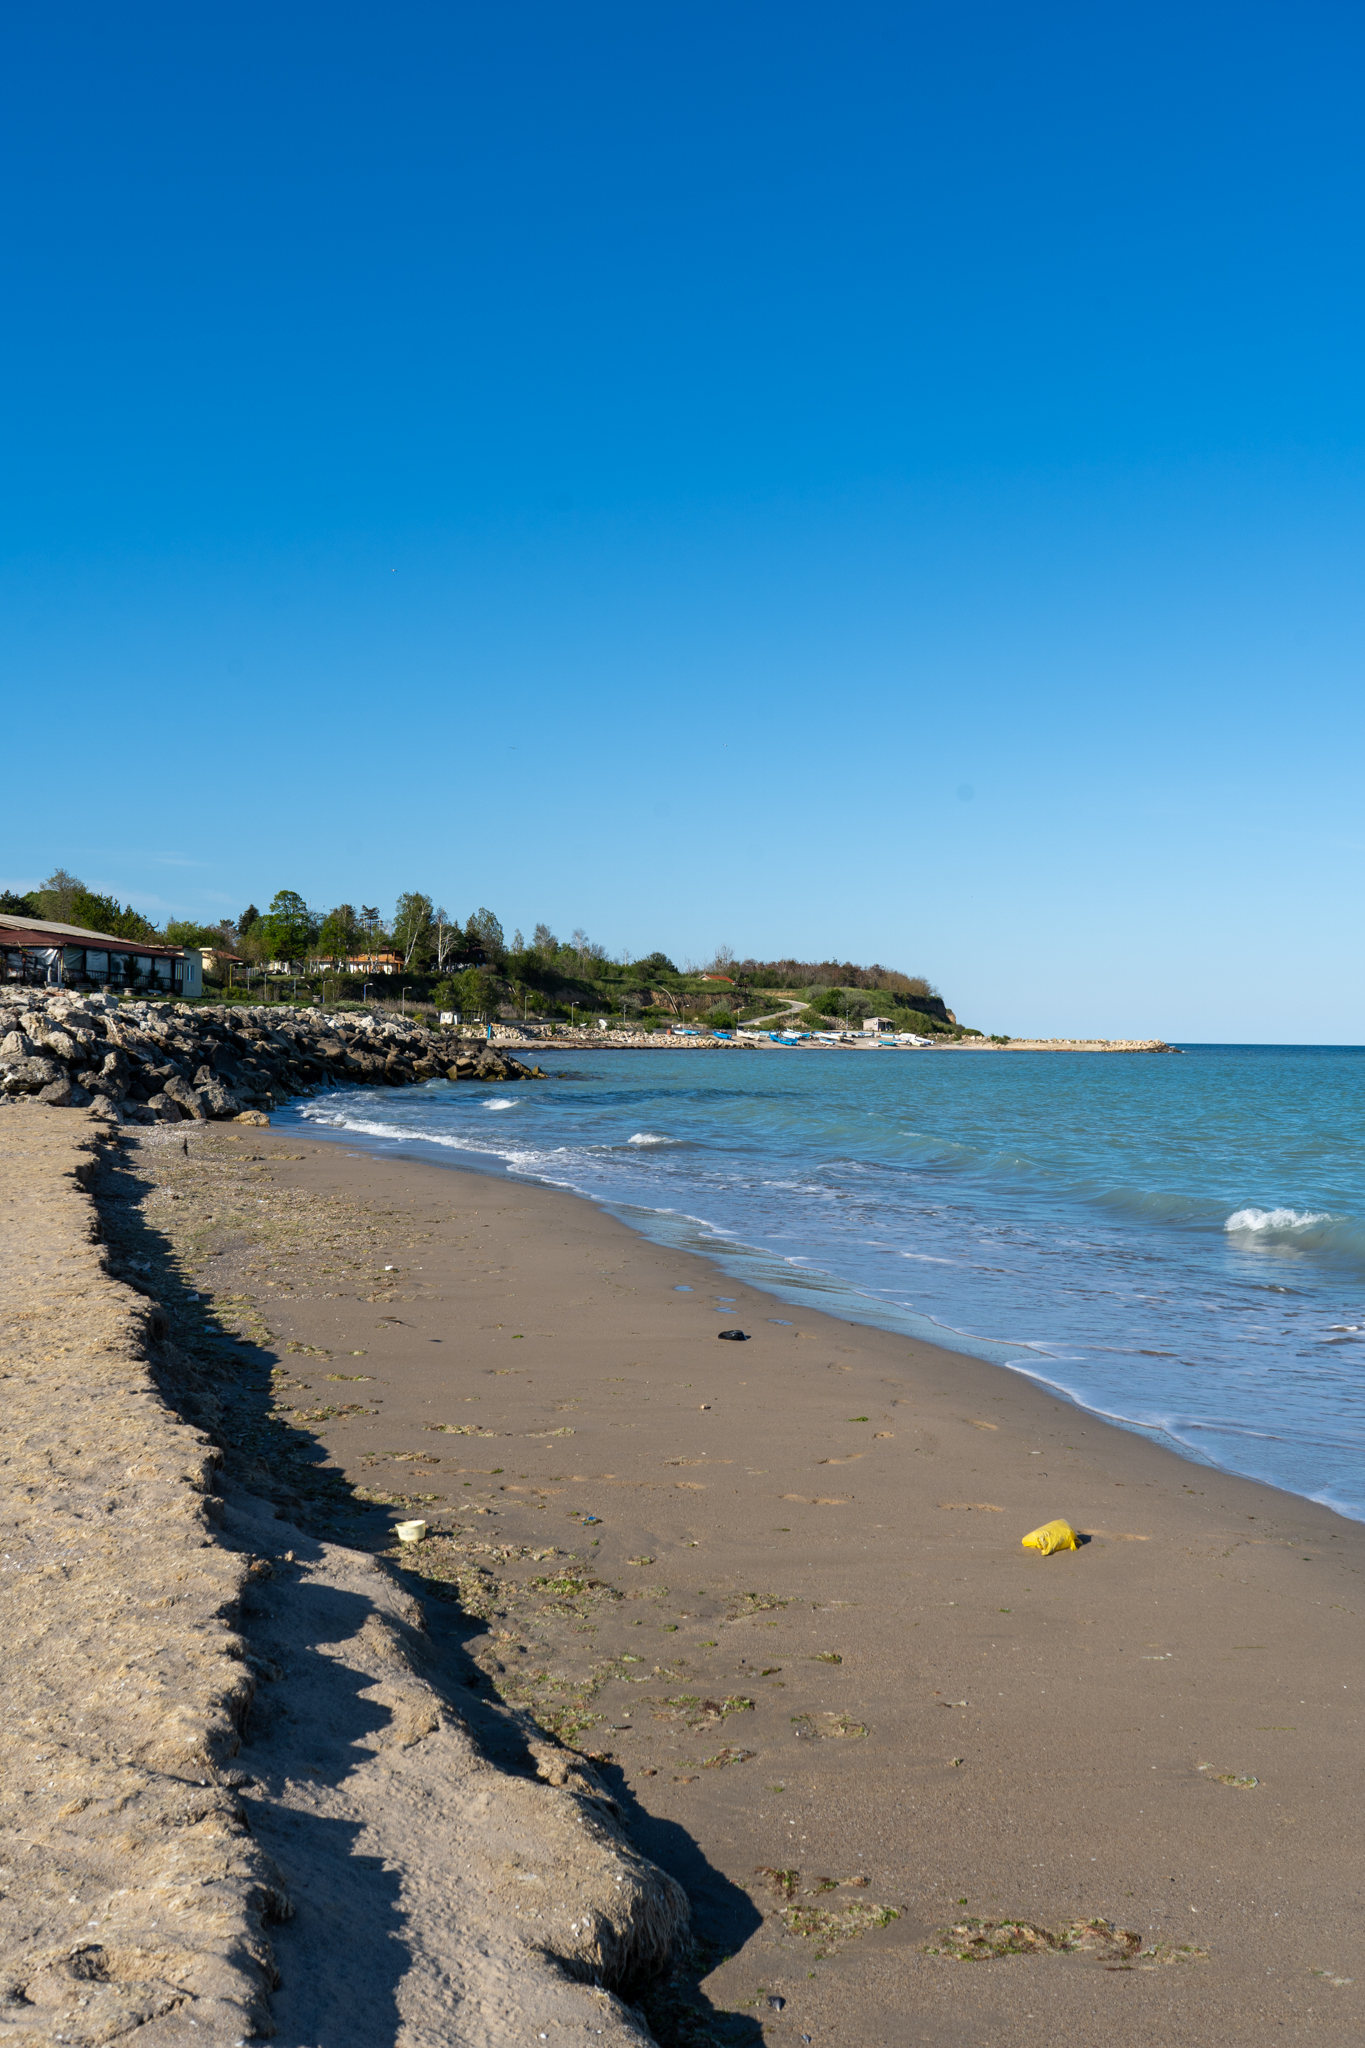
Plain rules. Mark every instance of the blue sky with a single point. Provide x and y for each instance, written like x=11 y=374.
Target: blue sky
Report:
x=885 y=480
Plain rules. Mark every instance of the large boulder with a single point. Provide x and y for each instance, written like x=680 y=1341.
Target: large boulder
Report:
x=188 y=1100
x=30 y=1076
x=219 y=1101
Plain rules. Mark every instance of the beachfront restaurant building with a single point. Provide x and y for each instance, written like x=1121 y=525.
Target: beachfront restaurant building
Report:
x=46 y=955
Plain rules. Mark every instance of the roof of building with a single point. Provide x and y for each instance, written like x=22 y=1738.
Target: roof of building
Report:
x=39 y=931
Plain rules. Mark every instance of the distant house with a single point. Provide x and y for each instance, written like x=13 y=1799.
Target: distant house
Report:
x=216 y=957
x=726 y=978
x=46 y=954
x=374 y=963
x=878 y=1024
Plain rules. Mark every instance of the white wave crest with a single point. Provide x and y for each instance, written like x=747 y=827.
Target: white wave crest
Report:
x=645 y=1138
x=1288 y=1223
x=502 y=1102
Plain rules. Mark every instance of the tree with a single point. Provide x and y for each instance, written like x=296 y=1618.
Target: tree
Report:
x=340 y=933
x=56 y=898
x=287 y=926
x=656 y=963
x=19 y=906
x=483 y=936
x=184 y=931
x=250 y=916
x=411 y=923
x=81 y=906
x=473 y=993
x=724 y=961
x=447 y=936
x=544 y=941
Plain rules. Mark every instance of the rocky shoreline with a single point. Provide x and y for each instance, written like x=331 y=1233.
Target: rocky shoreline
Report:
x=146 y=1063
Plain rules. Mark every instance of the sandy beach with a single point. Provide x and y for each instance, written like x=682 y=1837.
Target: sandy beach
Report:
x=775 y=1591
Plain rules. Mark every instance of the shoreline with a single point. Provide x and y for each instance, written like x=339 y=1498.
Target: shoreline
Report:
x=955 y=1343
x=758 y=1041
x=968 y=1728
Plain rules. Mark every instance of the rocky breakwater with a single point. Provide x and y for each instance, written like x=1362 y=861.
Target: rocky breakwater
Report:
x=150 y=1063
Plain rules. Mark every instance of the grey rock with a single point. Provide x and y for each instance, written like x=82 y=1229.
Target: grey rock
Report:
x=187 y=1099
x=58 y=1093
x=26 y=1077
x=164 y=1110
x=16 y=1045
x=219 y=1101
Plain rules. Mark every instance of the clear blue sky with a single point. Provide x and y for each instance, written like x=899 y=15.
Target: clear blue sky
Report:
x=882 y=479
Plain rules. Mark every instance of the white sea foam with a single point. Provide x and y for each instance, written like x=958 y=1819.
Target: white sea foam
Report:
x=502 y=1102
x=1284 y=1223
x=648 y=1138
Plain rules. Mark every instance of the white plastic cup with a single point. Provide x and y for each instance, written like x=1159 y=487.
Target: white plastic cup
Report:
x=410 y=1532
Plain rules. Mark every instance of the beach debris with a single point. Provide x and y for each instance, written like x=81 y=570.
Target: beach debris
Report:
x=783 y=1882
x=700 y=1713
x=836 y=1923
x=410 y=1532
x=754 y=1603
x=776 y=2004
x=980 y=1941
x=827 y=1657
x=726 y=1756
x=1053 y=1536
x=1239 y=1781
x=839 y=1727
x=734 y=1336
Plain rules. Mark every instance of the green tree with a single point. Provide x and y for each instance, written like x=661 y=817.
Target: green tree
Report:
x=340 y=933
x=249 y=917
x=57 y=896
x=412 y=926
x=483 y=936
x=183 y=931
x=475 y=993
x=18 y=906
x=287 y=926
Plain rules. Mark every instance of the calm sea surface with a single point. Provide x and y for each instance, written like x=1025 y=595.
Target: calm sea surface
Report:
x=1176 y=1243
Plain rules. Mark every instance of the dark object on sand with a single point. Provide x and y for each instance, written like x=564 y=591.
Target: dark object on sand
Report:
x=776 y=2004
x=735 y=1336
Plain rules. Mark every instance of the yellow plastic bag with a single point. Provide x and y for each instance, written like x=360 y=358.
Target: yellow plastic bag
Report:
x=1052 y=1536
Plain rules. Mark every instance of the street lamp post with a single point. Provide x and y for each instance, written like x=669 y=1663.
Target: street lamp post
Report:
x=403 y=1002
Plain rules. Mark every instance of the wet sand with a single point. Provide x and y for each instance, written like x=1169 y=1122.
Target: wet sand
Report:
x=777 y=1589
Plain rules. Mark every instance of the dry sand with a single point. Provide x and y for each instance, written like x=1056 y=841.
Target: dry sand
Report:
x=777 y=1589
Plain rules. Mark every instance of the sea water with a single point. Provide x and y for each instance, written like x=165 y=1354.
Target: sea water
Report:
x=1174 y=1242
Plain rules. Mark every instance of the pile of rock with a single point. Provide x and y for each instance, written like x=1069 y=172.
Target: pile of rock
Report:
x=158 y=1062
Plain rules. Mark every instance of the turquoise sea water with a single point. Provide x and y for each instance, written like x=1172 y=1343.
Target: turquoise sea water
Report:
x=1177 y=1243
